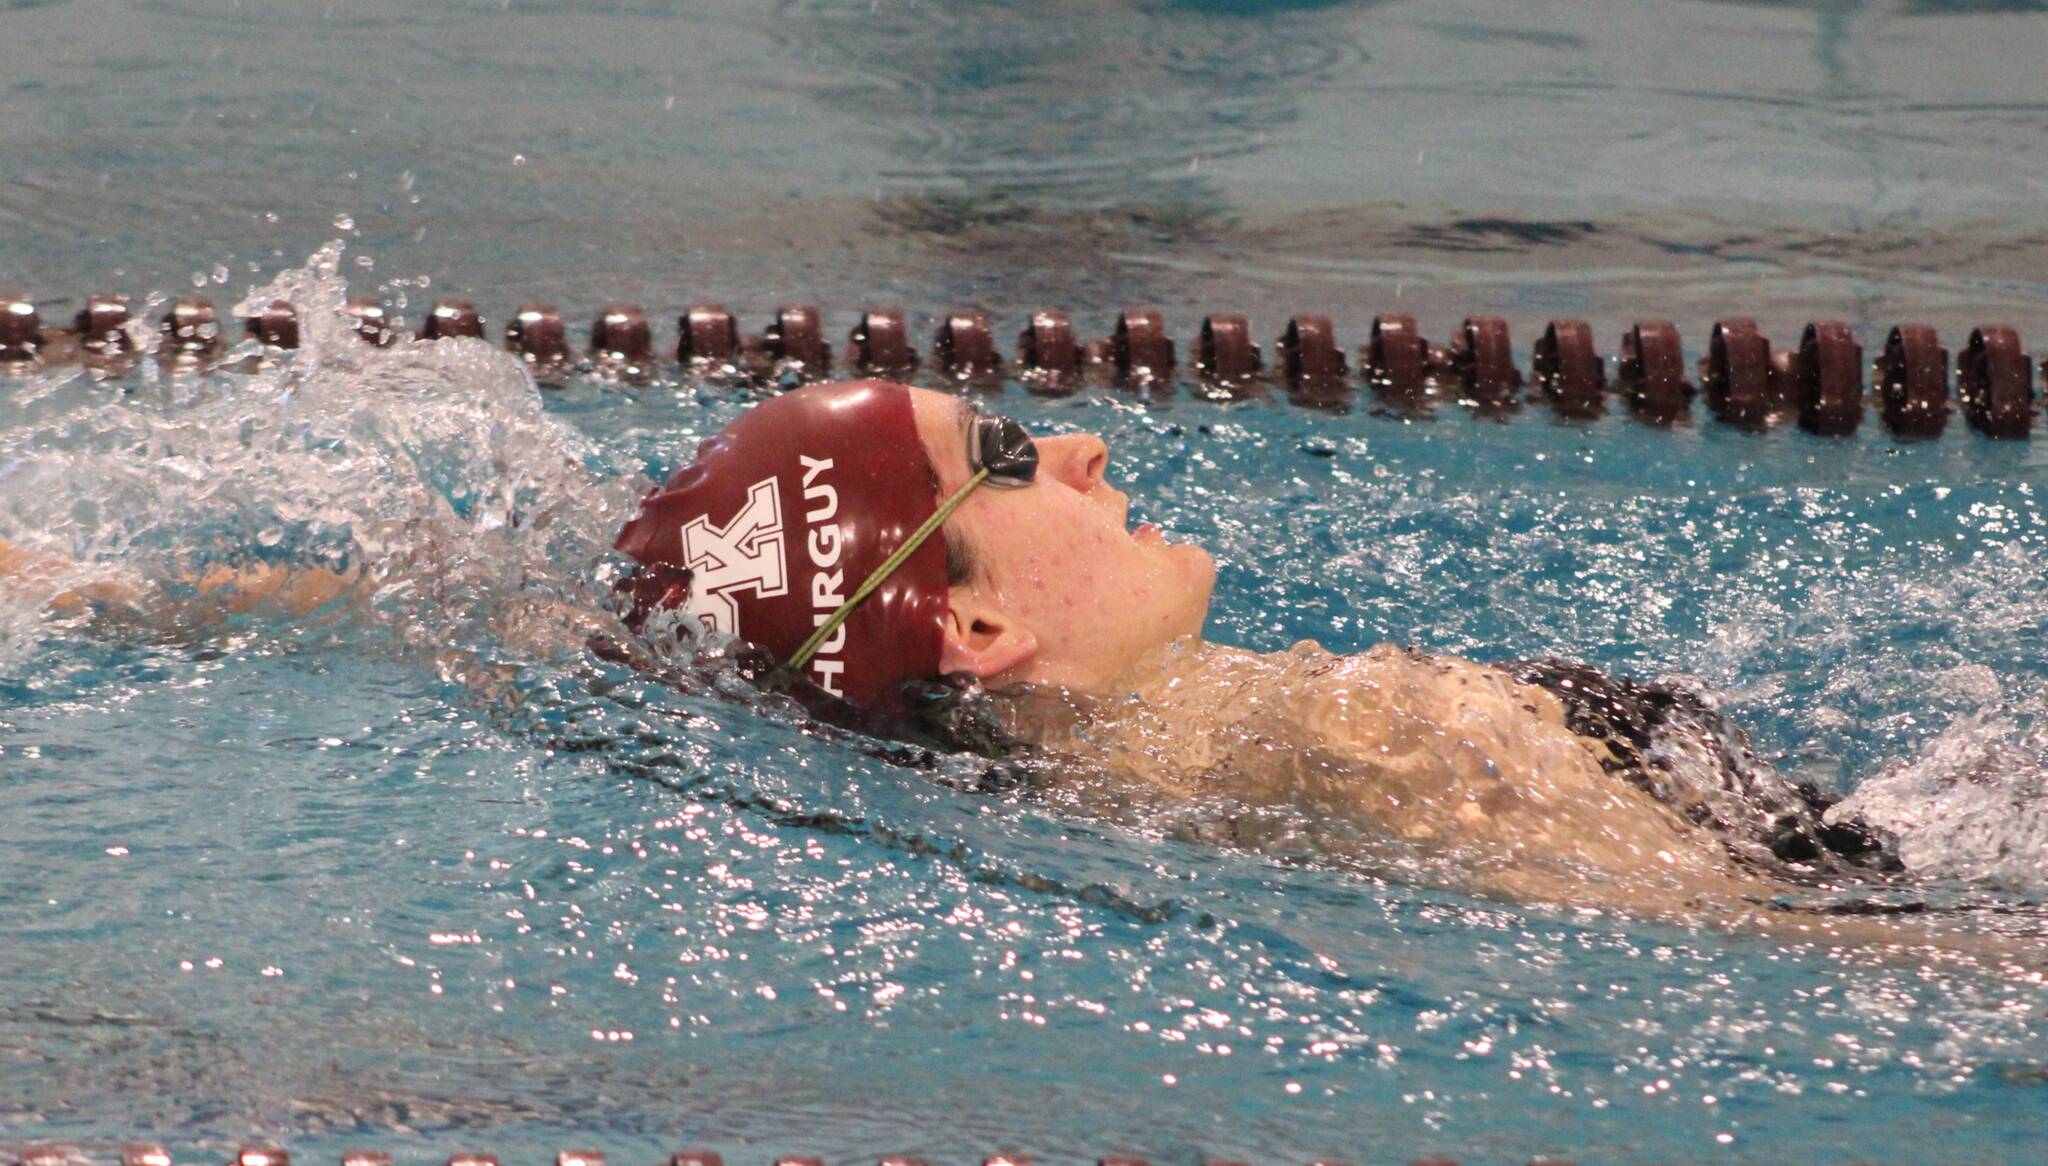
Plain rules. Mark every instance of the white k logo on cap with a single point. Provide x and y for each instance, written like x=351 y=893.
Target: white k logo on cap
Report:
x=743 y=555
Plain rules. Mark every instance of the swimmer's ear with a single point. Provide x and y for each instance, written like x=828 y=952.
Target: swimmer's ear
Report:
x=982 y=639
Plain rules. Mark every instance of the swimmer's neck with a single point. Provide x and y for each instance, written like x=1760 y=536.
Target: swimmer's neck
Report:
x=1164 y=672
x=1159 y=669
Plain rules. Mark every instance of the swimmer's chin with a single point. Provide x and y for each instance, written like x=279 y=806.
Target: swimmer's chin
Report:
x=1201 y=567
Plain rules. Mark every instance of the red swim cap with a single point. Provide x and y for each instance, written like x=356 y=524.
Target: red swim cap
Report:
x=783 y=515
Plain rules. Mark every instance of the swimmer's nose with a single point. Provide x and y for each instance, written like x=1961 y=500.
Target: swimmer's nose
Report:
x=1077 y=459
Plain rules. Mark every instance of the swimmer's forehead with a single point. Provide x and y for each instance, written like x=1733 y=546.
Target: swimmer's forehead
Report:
x=942 y=421
x=966 y=413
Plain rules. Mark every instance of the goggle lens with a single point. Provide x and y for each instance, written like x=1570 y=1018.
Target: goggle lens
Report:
x=1003 y=448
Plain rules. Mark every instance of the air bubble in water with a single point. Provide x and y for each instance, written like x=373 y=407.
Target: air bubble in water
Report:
x=365 y=262
x=221 y=273
x=519 y=159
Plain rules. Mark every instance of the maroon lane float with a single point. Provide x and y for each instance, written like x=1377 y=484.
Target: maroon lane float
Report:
x=1746 y=383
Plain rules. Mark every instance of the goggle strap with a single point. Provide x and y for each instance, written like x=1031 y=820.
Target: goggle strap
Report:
x=881 y=574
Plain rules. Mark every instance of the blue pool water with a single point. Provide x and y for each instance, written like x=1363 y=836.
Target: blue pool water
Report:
x=393 y=879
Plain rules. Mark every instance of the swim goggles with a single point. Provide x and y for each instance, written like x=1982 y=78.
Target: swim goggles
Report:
x=999 y=453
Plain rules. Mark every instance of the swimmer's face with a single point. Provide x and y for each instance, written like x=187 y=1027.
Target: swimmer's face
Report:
x=1061 y=590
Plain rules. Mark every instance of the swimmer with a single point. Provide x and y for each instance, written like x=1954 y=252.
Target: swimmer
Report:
x=895 y=554
x=873 y=537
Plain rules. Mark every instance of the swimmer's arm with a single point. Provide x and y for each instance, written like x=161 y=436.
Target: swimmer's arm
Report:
x=543 y=627
x=294 y=590
x=23 y=570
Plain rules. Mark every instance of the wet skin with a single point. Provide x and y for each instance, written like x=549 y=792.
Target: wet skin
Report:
x=1089 y=635
x=1073 y=613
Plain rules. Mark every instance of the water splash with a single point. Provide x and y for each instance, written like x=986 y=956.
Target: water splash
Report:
x=1972 y=806
x=429 y=468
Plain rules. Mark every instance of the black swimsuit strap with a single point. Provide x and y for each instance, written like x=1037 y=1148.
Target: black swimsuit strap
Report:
x=1671 y=744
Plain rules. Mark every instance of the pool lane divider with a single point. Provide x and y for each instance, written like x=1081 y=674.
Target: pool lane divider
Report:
x=152 y=1154
x=1822 y=384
